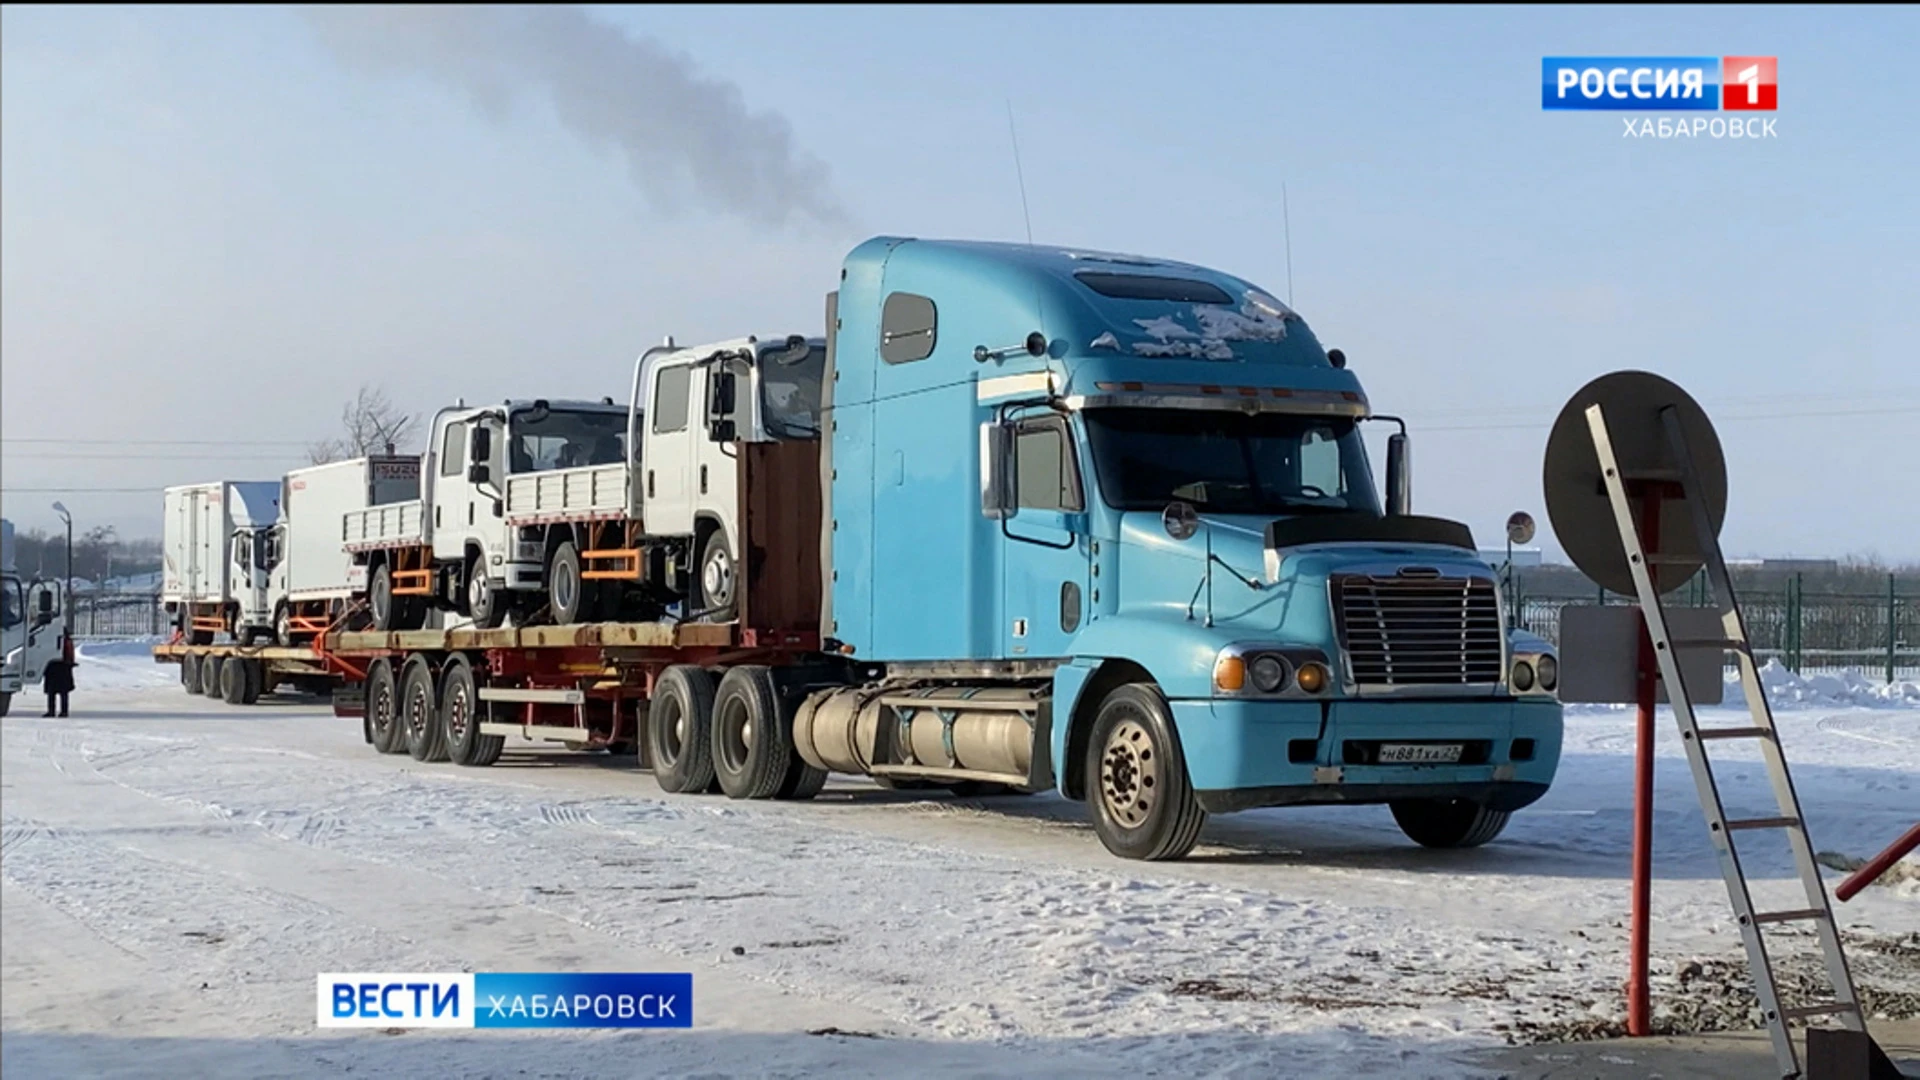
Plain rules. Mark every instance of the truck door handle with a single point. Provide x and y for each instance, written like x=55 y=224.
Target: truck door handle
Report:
x=649 y=483
x=469 y=513
x=436 y=517
x=703 y=479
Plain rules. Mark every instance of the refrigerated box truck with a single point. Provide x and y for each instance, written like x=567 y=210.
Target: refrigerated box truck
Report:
x=313 y=575
x=214 y=558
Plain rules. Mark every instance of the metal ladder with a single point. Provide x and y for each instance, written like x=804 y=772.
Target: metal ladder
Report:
x=1683 y=483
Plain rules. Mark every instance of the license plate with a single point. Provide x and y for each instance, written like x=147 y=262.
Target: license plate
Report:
x=1419 y=753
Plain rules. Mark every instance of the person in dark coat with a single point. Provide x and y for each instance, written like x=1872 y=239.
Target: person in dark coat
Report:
x=57 y=679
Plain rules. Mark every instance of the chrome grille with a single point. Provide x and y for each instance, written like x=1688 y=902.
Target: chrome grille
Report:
x=1407 y=630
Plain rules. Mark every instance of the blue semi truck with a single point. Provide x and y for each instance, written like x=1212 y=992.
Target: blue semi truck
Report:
x=1058 y=519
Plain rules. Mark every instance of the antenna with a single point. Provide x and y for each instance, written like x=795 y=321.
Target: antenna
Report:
x=1018 y=173
x=1286 y=226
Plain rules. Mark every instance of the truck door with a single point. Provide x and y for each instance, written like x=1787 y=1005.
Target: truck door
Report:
x=452 y=495
x=676 y=401
x=1045 y=551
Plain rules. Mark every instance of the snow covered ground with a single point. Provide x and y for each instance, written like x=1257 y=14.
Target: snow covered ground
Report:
x=176 y=870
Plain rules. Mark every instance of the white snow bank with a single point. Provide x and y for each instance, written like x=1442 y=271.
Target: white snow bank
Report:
x=120 y=665
x=1787 y=691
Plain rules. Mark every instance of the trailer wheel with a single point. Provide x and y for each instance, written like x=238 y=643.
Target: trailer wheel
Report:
x=803 y=781
x=752 y=734
x=256 y=681
x=484 y=605
x=380 y=599
x=460 y=713
x=233 y=681
x=383 y=712
x=679 y=729
x=719 y=578
x=1447 y=823
x=6 y=702
x=419 y=712
x=1143 y=804
x=190 y=673
x=566 y=591
x=210 y=668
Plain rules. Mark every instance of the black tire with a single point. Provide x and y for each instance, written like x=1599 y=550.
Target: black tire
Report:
x=210 y=668
x=1142 y=802
x=6 y=702
x=484 y=603
x=461 y=711
x=419 y=713
x=717 y=579
x=752 y=738
x=383 y=708
x=679 y=729
x=190 y=673
x=803 y=781
x=1448 y=823
x=381 y=603
x=233 y=681
x=283 y=625
x=567 y=593
x=256 y=672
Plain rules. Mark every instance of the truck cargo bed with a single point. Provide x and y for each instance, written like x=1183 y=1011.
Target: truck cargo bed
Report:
x=593 y=492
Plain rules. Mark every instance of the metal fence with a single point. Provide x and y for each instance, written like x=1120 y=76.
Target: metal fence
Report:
x=108 y=615
x=1809 y=633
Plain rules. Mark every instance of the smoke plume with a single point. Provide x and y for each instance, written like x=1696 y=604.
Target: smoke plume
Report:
x=687 y=137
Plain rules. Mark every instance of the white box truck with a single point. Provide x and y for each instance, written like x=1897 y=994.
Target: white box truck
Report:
x=31 y=624
x=214 y=558
x=314 y=576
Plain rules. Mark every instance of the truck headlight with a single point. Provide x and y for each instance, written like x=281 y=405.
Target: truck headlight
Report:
x=1549 y=671
x=1522 y=677
x=1269 y=673
x=1312 y=677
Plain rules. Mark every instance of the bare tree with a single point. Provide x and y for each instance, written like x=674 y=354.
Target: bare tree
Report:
x=369 y=424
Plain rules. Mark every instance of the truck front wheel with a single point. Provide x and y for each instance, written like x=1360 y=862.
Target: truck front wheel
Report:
x=483 y=602
x=1136 y=778
x=380 y=599
x=718 y=578
x=1448 y=823
x=566 y=592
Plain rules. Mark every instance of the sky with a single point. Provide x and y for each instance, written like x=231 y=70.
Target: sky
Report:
x=216 y=223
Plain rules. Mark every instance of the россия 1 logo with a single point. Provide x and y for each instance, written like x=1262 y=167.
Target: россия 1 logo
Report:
x=1660 y=83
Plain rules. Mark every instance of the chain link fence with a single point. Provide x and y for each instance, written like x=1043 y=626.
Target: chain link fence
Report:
x=1809 y=633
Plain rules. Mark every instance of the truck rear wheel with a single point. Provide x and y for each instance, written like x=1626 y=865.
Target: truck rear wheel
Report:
x=752 y=734
x=566 y=592
x=679 y=729
x=190 y=673
x=381 y=601
x=1136 y=778
x=256 y=681
x=419 y=712
x=383 y=712
x=210 y=669
x=460 y=714
x=1448 y=823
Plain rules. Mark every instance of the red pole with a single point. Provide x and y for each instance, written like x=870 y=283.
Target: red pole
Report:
x=1639 y=1007
x=1871 y=872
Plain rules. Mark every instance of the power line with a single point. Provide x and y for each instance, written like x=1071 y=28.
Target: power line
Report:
x=152 y=442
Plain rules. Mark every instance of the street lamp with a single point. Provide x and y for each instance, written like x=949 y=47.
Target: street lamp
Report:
x=66 y=609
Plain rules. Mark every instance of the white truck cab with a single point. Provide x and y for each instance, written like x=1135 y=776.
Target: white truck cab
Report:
x=695 y=403
x=31 y=624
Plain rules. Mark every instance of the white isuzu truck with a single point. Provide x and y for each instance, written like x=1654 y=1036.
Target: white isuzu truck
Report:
x=215 y=558
x=629 y=537
x=31 y=624
x=313 y=577
x=450 y=549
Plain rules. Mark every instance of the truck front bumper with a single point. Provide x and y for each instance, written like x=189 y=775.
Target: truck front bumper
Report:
x=1246 y=754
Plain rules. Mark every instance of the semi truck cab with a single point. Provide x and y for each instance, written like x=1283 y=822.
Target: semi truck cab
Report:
x=1137 y=491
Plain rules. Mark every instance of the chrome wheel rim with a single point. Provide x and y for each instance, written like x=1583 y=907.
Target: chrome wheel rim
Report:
x=1129 y=774
x=716 y=578
x=457 y=714
x=563 y=587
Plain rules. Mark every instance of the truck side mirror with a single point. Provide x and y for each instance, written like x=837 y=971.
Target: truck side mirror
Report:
x=1399 y=476
x=479 y=473
x=722 y=431
x=481 y=449
x=720 y=393
x=997 y=500
x=46 y=603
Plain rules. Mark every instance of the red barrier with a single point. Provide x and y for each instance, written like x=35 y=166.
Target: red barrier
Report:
x=1878 y=865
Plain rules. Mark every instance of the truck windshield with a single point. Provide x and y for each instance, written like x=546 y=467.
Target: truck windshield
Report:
x=565 y=439
x=790 y=392
x=1230 y=463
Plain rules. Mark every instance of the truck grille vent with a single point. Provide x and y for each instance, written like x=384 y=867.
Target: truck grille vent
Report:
x=1424 y=631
